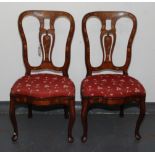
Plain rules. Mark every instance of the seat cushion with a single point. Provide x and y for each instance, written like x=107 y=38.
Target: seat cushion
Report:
x=43 y=86
x=111 y=85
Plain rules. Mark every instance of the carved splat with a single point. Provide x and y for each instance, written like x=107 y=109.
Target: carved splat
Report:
x=47 y=40
x=47 y=45
x=107 y=43
x=108 y=39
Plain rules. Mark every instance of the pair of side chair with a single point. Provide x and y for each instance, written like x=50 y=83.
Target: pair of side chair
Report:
x=50 y=89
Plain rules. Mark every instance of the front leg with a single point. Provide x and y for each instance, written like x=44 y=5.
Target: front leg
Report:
x=140 y=119
x=13 y=120
x=84 y=114
x=71 y=121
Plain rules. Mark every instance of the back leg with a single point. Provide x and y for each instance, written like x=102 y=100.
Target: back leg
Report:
x=121 y=114
x=29 y=110
x=66 y=112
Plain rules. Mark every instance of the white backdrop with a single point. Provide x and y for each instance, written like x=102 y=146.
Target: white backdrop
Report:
x=143 y=57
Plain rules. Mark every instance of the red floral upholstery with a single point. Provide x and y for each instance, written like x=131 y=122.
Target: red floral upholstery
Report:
x=43 y=86
x=111 y=85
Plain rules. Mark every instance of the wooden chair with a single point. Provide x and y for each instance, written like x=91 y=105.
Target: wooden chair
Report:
x=45 y=89
x=110 y=89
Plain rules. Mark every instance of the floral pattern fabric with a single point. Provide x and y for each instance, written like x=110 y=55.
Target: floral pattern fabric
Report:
x=111 y=85
x=43 y=86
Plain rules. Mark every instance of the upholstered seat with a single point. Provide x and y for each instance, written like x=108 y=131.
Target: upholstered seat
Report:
x=111 y=85
x=43 y=86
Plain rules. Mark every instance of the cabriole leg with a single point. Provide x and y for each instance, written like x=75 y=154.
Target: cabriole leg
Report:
x=140 y=119
x=13 y=120
x=84 y=114
x=71 y=121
